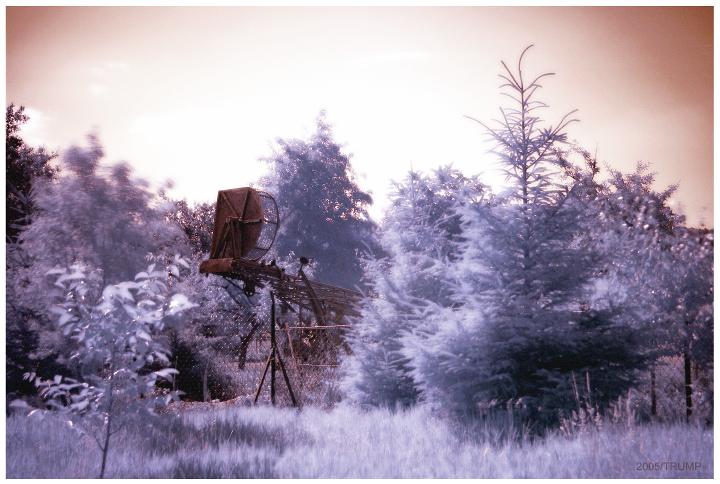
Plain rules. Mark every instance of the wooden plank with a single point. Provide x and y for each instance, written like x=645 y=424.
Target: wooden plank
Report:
x=215 y=266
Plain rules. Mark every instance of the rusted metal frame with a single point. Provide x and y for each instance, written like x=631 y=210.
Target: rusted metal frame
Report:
x=273 y=351
x=262 y=380
x=287 y=380
x=218 y=252
x=228 y=203
x=323 y=299
x=272 y=360
x=314 y=301
x=290 y=289
x=231 y=237
x=273 y=272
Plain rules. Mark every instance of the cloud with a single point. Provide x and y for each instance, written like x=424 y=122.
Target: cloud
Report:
x=103 y=74
x=97 y=89
x=108 y=68
x=34 y=131
x=391 y=57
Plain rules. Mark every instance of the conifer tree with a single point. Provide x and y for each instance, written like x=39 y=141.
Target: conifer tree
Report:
x=23 y=164
x=523 y=333
x=324 y=214
x=410 y=285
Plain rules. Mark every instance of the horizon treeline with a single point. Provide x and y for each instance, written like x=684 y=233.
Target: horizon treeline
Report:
x=567 y=292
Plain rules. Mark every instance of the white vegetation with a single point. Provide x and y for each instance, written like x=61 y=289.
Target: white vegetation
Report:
x=505 y=308
x=347 y=443
x=502 y=334
x=522 y=276
x=117 y=336
x=98 y=215
x=409 y=285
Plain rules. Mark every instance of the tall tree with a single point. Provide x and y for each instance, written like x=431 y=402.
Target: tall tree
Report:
x=410 y=284
x=523 y=333
x=659 y=270
x=102 y=217
x=22 y=165
x=323 y=211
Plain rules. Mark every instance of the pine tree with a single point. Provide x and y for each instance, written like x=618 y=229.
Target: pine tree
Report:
x=323 y=211
x=22 y=165
x=410 y=285
x=523 y=334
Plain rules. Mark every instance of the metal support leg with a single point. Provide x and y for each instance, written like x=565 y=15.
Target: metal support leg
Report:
x=273 y=360
x=273 y=345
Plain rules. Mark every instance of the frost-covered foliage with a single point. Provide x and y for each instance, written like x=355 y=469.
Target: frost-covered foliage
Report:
x=269 y=443
x=119 y=352
x=410 y=285
x=659 y=271
x=323 y=211
x=631 y=230
x=498 y=308
x=101 y=217
x=522 y=332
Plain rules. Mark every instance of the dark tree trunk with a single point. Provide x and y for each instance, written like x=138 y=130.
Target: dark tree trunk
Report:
x=688 y=387
x=653 y=395
x=105 y=447
x=206 y=391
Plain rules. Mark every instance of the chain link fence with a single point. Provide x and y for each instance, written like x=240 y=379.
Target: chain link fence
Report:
x=310 y=353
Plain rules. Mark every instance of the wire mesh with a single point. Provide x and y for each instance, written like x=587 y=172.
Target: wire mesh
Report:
x=269 y=228
x=311 y=355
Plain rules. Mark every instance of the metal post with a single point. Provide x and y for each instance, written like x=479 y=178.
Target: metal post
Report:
x=273 y=346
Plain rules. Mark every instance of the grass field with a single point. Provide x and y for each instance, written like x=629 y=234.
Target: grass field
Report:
x=243 y=442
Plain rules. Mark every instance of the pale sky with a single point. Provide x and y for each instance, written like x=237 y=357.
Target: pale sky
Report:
x=199 y=94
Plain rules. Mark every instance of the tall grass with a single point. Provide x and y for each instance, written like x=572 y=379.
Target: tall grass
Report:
x=243 y=442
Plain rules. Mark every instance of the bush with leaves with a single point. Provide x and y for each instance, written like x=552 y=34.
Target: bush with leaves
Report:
x=121 y=349
x=661 y=273
x=102 y=217
x=196 y=221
